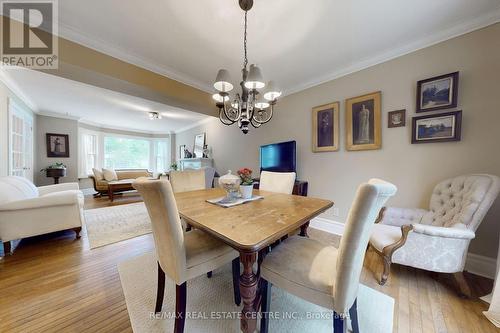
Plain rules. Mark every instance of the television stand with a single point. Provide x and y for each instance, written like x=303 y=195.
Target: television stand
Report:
x=299 y=188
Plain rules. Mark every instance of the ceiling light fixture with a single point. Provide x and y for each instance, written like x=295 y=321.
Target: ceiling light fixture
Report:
x=154 y=115
x=246 y=108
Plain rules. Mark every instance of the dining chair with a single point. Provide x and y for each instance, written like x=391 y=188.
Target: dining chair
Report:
x=187 y=180
x=278 y=182
x=181 y=256
x=322 y=274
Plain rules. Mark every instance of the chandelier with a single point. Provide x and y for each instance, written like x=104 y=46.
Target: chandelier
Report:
x=248 y=107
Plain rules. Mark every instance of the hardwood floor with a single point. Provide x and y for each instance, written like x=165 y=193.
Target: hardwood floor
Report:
x=54 y=283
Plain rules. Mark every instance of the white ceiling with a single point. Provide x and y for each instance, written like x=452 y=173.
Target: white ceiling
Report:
x=297 y=43
x=53 y=95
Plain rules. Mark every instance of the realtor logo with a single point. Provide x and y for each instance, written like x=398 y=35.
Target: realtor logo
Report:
x=29 y=34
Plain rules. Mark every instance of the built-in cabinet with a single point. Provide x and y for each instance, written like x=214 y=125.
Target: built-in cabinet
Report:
x=195 y=163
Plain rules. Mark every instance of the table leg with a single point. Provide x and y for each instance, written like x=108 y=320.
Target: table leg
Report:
x=248 y=289
x=110 y=194
x=303 y=229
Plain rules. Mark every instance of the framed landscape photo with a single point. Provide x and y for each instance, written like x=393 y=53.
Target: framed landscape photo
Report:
x=441 y=127
x=57 y=145
x=199 y=143
x=325 y=127
x=363 y=122
x=440 y=92
x=396 y=118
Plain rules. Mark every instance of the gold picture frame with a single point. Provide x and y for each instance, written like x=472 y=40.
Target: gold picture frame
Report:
x=363 y=122
x=325 y=127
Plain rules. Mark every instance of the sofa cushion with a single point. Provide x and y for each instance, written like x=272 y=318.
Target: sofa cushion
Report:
x=109 y=174
x=98 y=174
x=132 y=174
x=13 y=188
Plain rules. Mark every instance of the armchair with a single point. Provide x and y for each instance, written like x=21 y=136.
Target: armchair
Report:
x=26 y=210
x=436 y=239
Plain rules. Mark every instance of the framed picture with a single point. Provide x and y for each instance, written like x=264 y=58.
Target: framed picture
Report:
x=396 y=119
x=325 y=127
x=199 y=143
x=57 y=145
x=182 y=148
x=440 y=92
x=441 y=127
x=363 y=124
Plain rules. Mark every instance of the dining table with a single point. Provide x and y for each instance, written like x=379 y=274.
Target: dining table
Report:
x=250 y=228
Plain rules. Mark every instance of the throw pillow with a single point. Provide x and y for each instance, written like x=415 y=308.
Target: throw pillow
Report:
x=98 y=175
x=109 y=174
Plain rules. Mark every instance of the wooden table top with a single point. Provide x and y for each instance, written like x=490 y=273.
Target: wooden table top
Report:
x=253 y=225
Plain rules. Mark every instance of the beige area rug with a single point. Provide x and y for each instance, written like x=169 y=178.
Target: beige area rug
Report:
x=113 y=224
x=210 y=302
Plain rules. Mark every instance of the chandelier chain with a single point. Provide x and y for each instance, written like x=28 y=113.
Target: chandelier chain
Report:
x=245 y=62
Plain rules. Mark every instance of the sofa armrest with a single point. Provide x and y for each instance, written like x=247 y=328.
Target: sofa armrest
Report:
x=400 y=216
x=70 y=197
x=43 y=190
x=460 y=231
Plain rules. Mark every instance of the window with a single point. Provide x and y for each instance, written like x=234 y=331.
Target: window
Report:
x=89 y=152
x=126 y=153
x=162 y=158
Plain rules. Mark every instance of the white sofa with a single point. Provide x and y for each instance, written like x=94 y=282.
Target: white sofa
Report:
x=436 y=239
x=26 y=210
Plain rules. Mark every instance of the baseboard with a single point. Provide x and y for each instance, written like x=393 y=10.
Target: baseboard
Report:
x=475 y=263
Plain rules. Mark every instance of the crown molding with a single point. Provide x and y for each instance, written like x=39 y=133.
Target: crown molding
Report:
x=455 y=31
x=100 y=45
x=16 y=90
x=118 y=128
x=58 y=115
x=196 y=124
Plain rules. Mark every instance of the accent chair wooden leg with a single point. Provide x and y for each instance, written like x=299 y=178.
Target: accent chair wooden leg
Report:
x=77 y=232
x=353 y=313
x=180 y=307
x=160 y=291
x=6 y=248
x=209 y=274
x=387 y=270
x=236 y=281
x=339 y=323
x=463 y=286
x=265 y=306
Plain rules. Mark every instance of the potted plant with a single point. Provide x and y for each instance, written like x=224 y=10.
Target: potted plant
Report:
x=246 y=185
x=56 y=171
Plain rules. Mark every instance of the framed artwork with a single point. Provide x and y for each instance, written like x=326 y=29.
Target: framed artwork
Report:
x=363 y=122
x=441 y=127
x=182 y=148
x=440 y=92
x=325 y=127
x=57 y=145
x=396 y=119
x=199 y=143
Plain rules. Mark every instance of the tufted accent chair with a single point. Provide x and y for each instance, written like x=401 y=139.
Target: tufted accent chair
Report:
x=436 y=239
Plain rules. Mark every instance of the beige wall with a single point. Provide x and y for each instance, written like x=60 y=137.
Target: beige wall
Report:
x=415 y=169
x=5 y=94
x=46 y=125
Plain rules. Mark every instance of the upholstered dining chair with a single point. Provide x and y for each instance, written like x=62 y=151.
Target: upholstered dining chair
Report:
x=187 y=180
x=436 y=239
x=182 y=256
x=322 y=274
x=279 y=182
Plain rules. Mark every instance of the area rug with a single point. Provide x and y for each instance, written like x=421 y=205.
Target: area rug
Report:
x=210 y=305
x=113 y=224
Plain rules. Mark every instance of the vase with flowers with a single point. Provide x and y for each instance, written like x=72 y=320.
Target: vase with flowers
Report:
x=246 y=185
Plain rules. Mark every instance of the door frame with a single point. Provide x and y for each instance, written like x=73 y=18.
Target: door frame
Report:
x=16 y=108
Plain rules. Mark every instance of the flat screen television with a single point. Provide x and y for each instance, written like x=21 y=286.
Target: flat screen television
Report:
x=279 y=157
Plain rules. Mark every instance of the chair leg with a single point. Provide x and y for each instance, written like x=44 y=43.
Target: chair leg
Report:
x=463 y=286
x=265 y=305
x=180 y=307
x=236 y=281
x=353 y=313
x=387 y=270
x=339 y=323
x=6 y=248
x=209 y=274
x=160 y=291
x=77 y=232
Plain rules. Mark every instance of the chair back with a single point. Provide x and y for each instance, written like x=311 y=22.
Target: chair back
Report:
x=370 y=198
x=187 y=180
x=462 y=201
x=14 y=188
x=279 y=182
x=167 y=229
x=209 y=176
